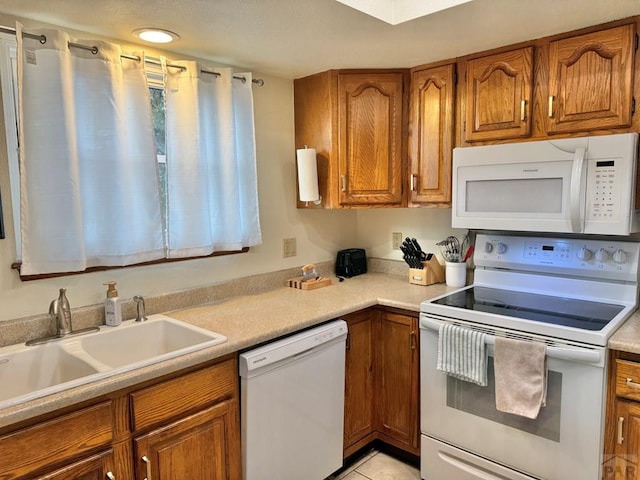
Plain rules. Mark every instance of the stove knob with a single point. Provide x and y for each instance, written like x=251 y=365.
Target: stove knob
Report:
x=488 y=247
x=501 y=248
x=602 y=255
x=620 y=256
x=584 y=254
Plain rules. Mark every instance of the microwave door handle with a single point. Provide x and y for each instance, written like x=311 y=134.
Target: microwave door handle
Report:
x=575 y=190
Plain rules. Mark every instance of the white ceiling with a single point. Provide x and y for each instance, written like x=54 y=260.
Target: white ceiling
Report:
x=294 y=38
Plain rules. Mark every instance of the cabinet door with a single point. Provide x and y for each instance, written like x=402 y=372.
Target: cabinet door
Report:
x=398 y=376
x=590 y=81
x=370 y=138
x=359 y=418
x=97 y=467
x=498 y=96
x=625 y=463
x=431 y=134
x=203 y=446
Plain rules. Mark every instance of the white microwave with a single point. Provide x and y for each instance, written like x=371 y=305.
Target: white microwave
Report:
x=573 y=185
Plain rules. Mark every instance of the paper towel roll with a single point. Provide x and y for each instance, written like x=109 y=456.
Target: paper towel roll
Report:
x=307 y=175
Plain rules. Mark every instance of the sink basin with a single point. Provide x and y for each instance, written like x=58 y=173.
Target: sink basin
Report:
x=30 y=372
x=38 y=369
x=137 y=343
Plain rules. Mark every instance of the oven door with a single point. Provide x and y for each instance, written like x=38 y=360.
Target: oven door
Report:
x=464 y=433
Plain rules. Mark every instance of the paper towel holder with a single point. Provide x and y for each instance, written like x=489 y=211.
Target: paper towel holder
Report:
x=308 y=176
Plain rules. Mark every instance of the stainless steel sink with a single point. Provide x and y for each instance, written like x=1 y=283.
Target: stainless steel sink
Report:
x=29 y=372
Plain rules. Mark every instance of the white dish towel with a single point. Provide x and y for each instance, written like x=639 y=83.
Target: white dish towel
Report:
x=462 y=353
x=520 y=369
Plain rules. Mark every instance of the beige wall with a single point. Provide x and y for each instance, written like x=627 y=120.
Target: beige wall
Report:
x=319 y=233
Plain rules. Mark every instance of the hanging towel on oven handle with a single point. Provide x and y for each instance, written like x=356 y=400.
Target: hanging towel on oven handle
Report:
x=462 y=353
x=520 y=369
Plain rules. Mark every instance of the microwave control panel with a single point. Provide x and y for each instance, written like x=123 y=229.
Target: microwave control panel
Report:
x=604 y=185
x=611 y=259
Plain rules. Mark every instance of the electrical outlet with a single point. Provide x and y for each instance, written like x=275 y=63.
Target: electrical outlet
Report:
x=289 y=247
x=396 y=240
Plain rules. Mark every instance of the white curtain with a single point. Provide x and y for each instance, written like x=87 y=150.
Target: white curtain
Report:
x=211 y=161
x=89 y=188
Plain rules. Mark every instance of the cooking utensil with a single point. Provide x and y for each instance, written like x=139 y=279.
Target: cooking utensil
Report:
x=469 y=253
x=450 y=249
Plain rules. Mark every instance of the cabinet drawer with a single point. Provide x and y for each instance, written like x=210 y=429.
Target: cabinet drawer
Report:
x=193 y=391
x=628 y=379
x=56 y=440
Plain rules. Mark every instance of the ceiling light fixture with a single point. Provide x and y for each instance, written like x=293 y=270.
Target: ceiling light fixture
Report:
x=156 y=35
x=398 y=11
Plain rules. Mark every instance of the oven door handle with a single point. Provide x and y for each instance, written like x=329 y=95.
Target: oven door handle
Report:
x=572 y=354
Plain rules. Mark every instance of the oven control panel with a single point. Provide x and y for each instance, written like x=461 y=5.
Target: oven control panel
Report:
x=610 y=259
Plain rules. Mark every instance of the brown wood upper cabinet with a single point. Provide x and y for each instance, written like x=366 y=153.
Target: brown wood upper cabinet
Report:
x=356 y=122
x=590 y=81
x=370 y=138
x=431 y=123
x=499 y=91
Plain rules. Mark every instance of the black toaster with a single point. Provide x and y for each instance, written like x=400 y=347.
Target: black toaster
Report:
x=351 y=262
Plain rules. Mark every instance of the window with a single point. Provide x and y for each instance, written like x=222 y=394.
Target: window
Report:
x=8 y=83
x=234 y=242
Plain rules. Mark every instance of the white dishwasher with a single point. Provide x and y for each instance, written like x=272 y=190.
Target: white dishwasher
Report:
x=292 y=405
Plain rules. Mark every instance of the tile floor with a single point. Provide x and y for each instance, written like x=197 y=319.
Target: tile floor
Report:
x=375 y=465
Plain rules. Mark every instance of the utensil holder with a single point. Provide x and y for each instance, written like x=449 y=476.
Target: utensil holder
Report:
x=456 y=274
x=430 y=274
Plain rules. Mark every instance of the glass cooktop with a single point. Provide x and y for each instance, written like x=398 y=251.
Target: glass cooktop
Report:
x=567 y=312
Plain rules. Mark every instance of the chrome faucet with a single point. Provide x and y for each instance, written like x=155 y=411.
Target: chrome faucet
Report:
x=140 y=313
x=61 y=310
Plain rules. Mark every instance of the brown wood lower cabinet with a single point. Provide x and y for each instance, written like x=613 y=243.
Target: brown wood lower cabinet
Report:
x=382 y=380
x=359 y=408
x=200 y=446
x=185 y=425
x=96 y=467
x=399 y=377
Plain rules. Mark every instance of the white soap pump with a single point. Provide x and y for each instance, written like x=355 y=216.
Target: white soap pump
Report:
x=112 y=307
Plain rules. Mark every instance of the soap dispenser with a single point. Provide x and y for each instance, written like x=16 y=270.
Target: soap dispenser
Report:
x=112 y=307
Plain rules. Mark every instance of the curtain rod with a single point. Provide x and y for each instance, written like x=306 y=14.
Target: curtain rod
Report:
x=94 y=50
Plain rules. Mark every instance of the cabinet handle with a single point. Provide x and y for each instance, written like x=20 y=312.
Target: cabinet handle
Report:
x=620 y=425
x=348 y=345
x=551 y=98
x=632 y=384
x=412 y=182
x=146 y=460
x=523 y=114
x=111 y=476
x=343 y=179
x=412 y=340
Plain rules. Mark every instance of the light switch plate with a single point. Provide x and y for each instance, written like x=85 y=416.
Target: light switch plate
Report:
x=289 y=248
x=396 y=240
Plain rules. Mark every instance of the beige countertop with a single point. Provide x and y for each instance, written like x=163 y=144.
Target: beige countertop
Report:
x=627 y=337
x=248 y=320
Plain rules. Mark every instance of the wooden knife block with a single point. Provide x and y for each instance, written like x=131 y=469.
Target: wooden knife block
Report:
x=432 y=273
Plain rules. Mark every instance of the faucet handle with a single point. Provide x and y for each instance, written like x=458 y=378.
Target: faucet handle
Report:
x=140 y=309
